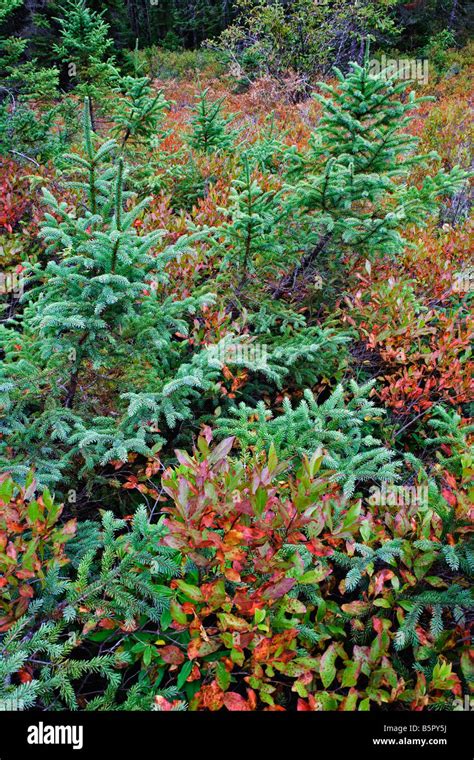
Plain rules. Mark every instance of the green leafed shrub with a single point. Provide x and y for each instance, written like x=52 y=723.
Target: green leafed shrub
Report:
x=32 y=541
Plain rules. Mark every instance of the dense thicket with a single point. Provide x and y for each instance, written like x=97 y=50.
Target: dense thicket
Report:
x=187 y=23
x=236 y=365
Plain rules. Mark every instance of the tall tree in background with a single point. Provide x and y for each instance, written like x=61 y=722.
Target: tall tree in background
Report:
x=421 y=19
x=270 y=34
x=86 y=49
x=304 y=36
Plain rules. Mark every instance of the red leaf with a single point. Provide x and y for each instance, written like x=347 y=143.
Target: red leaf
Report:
x=172 y=655
x=278 y=589
x=235 y=702
x=24 y=675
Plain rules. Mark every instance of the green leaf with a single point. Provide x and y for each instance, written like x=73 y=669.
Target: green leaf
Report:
x=315 y=463
x=53 y=512
x=177 y=613
x=6 y=490
x=327 y=666
x=261 y=498
x=47 y=499
x=315 y=576
x=166 y=619
x=381 y=602
x=27 y=559
x=34 y=512
x=192 y=592
x=351 y=516
x=259 y=615
x=183 y=674
x=272 y=458
x=222 y=676
x=350 y=674
x=423 y=563
x=322 y=608
x=350 y=702
x=300 y=689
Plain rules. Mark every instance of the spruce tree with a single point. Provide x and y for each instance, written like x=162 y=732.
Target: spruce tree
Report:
x=351 y=190
x=85 y=48
x=27 y=108
x=50 y=644
x=250 y=240
x=269 y=152
x=139 y=110
x=209 y=126
x=96 y=318
x=338 y=428
x=25 y=78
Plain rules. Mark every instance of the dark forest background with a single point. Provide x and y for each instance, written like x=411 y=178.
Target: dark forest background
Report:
x=178 y=24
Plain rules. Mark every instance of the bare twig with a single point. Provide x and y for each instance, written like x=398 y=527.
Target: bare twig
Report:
x=23 y=155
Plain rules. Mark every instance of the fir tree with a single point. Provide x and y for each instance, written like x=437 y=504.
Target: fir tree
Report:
x=338 y=428
x=351 y=190
x=85 y=48
x=449 y=431
x=209 y=126
x=26 y=78
x=51 y=644
x=286 y=359
x=88 y=321
x=454 y=600
x=358 y=566
x=250 y=240
x=139 y=110
x=120 y=573
x=269 y=152
x=27 y=108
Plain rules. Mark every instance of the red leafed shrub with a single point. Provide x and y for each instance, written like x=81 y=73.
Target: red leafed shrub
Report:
x=414 y=318
x=241 y=532
x=291 y=598
x=31 y=542
x=13 y=195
